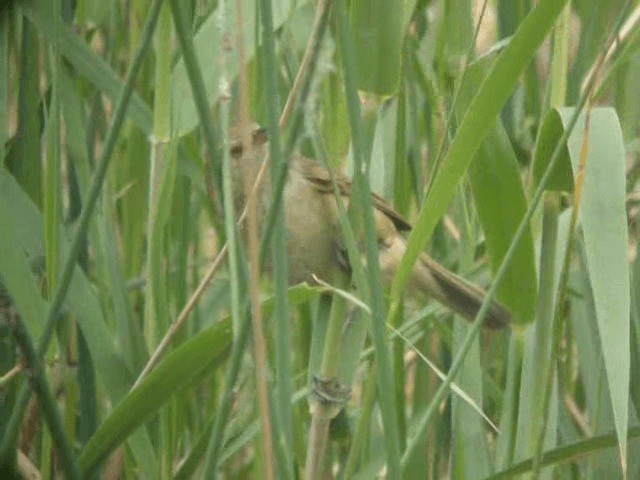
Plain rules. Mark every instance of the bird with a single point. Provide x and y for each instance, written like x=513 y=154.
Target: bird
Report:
x=315 y=246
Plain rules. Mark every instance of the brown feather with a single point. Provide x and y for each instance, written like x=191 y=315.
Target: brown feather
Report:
x=448 y=288
x=314 y=239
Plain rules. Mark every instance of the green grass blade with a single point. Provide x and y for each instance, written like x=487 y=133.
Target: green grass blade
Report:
x=283 y=420
x=597 y=404
x=470 y=452
x=89 y=64
x=567 y=453
x=81 y=301
x=377 y=28
x=475 y=125
x=16 y=273
x=24 y=157
x=603 y=203
x=362 y=198
x=209 y=42
x=500 y=200
x=161 y=184
x=604 y=224
x=176 y=372
x=4 y=83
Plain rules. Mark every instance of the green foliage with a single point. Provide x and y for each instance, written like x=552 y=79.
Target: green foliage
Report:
x=514 y=173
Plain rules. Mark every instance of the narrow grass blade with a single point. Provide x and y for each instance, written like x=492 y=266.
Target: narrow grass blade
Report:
x=173 y=374
x=475 y=125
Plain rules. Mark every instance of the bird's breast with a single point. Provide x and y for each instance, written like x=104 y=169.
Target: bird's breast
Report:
x=311 y=231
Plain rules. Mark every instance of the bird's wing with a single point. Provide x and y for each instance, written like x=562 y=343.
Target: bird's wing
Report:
x=321 y=179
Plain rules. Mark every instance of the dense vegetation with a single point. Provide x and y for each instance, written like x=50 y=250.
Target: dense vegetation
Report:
x=136 y=343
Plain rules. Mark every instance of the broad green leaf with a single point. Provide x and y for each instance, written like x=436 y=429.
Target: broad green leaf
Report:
x=94 y=11
x=500 y=201
x=15 y=272
x=561 y=177
x=378 y=28
x=81 y=300
x=501 y=204
x=604 y=223
x=529 y=406
x=635 y=337
x=597 y=407
x=476 y=125
x=176 y=372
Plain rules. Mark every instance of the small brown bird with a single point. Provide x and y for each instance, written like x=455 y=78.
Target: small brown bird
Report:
x=314 y=238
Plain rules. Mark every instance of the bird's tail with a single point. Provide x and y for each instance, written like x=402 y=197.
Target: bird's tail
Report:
x=456 y=293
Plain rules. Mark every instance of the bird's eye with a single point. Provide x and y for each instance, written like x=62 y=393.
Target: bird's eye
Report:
x=236 y=148
x=258 y=137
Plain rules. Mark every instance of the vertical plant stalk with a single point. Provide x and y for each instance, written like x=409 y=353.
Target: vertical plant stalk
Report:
x=161 y=183
x=52 y=165
x=300 y=92
x=362 y=195
x=325 y=403
x=544 y=313
x=359 y=437
x=544 y=325
x=155 y=305
x=253 y=255
x=284 y=389
x=505 y=448
x=52 y=220
x=560 y=62
x=7 y=447
x=558 y=314
x=317 y=444
x=35 y=372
